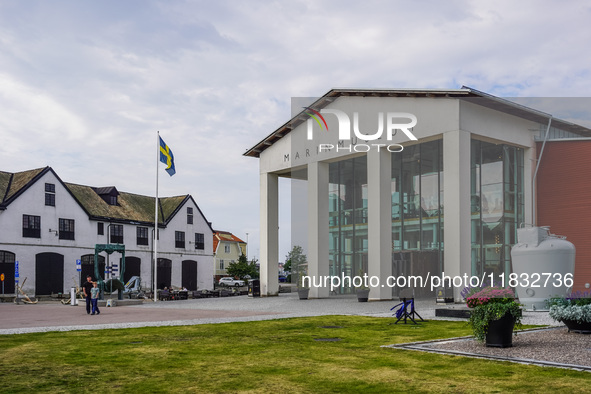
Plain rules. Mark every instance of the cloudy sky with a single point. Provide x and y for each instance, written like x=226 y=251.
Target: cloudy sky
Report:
x=85 y=85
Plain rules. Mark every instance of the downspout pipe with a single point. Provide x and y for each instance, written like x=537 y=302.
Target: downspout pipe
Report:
x=533 y=186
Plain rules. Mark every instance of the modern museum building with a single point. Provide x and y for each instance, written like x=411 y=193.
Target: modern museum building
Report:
x=411 y=182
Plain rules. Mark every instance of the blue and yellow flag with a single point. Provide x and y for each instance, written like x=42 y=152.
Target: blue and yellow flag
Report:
x=167 y=157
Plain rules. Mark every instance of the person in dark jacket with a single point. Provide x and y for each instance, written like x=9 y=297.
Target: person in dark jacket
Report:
x=86 y=290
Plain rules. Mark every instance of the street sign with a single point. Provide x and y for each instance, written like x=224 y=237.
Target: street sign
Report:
x=78 y=265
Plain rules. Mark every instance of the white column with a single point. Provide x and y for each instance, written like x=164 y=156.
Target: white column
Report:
x=456 y=205
x=318 y=226
x=269 y=266
x=379 y=242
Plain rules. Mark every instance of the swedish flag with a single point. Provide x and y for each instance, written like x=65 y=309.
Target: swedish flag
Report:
x=167 y=157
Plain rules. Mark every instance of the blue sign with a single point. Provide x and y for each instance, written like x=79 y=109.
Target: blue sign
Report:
x=16 y=275
x=78 y=265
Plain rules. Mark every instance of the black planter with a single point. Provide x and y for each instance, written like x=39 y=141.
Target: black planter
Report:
x=581 y=328
x=500 y=332
x=362 y=295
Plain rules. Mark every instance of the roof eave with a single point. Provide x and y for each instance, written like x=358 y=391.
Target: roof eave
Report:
x=331 y=95
x=464 y=93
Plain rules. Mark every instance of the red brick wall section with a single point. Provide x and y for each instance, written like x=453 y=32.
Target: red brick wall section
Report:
x=564 y=199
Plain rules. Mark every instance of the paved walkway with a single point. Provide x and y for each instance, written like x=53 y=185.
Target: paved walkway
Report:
x=53 y=316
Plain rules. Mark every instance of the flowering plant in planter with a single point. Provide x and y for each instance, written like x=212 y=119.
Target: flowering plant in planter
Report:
x=489 y=304
x=575 y=307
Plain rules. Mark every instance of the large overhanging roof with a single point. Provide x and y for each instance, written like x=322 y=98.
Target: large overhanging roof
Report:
x=465 y=93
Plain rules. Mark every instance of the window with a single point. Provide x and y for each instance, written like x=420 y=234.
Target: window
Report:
x=199 y=241
x=221 y=264
x=6 y=257
x=179 y=239
x=100 y=228
x=31 y=226
x=142 y=236
x=111 y=200
x=227 y=248
x=66 y=229
x=116 y=234
x=189 y=215
x=50 y=194
x=497 y=205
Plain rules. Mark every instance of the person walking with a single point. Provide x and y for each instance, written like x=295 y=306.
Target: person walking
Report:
x=86 y=290
x=94 y=292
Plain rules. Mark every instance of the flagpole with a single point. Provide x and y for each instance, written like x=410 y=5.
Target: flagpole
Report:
x=156 y=219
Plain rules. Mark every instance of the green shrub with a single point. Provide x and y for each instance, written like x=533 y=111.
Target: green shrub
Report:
x=489 y=304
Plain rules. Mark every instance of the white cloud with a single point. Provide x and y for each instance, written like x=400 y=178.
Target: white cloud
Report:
x=34 y=121
x=84 y=86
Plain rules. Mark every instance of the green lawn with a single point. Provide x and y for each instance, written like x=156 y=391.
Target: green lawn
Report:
x=268 y=356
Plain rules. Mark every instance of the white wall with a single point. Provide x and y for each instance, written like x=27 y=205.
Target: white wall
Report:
x=434 y=117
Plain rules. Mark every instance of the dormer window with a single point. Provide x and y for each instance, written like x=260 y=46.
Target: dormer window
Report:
x=108 y=194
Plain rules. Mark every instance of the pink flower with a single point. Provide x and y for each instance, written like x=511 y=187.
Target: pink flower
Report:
x=490 y=294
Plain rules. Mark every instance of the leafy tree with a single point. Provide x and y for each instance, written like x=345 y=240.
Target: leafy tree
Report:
x=243 y=268
x=296 y=262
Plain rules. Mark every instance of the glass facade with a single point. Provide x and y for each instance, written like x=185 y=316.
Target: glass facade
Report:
x=347 y=191
x=417 y=210
x=497 y=205
x=497 y=209
x=417 y=213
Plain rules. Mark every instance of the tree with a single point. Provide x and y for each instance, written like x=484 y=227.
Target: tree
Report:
x=243 y=268
x=296 y=262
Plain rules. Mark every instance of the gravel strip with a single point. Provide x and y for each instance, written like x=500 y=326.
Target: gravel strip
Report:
x=554 y=345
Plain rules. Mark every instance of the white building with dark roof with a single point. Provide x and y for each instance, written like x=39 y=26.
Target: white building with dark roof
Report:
x=46 y=225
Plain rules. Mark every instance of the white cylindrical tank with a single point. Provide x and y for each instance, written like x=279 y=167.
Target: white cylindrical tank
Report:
x=544 y=263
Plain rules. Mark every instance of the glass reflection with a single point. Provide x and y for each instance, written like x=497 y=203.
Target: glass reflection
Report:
x=348 y=218
x=496 y=204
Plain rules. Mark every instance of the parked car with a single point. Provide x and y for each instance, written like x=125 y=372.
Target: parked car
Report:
x=227 y=281
x=282 y=278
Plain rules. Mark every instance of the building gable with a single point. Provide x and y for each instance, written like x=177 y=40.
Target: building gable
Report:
x=171 y=206
x=220 y=237
x=13 y=185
